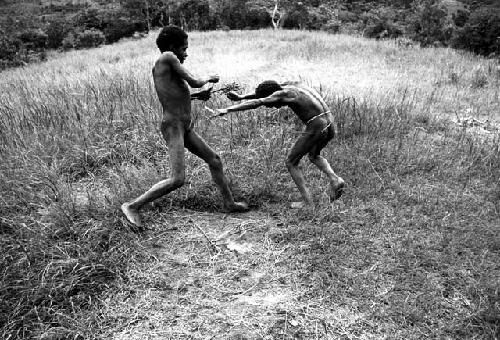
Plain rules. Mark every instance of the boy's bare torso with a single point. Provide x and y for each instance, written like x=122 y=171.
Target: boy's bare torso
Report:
x=306 y=102
x=173 y=91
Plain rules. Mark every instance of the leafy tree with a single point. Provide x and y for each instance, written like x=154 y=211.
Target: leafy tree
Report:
x=195 y=14
x=84 y=39
x=258 y=15
x=9 y=47
x=33 y=39
x=380 y=23
x=90 y=18
x=56 y=29
x=296 y=16
x=142 y=10
x=430 y=23
x=481 y=33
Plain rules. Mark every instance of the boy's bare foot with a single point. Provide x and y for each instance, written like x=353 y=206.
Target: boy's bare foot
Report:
x=337 y=189
x=131 y=214
x=236 y=207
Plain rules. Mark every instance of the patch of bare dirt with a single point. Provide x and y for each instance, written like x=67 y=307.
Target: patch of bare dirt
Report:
x=217 y=276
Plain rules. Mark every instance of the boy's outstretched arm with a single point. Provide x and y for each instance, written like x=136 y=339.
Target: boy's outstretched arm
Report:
x=234 y=96
x=250 y=104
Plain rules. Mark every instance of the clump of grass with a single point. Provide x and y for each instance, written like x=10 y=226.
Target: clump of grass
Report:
x=479 y=79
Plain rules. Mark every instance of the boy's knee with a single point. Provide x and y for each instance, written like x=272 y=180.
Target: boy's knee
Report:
x=313 y=158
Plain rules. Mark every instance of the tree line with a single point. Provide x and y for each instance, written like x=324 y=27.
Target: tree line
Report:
x=470 y=25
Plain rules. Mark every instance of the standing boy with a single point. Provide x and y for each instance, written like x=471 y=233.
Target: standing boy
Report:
x=172 y=81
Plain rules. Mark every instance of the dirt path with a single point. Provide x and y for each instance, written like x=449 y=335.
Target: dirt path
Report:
x=218 y=276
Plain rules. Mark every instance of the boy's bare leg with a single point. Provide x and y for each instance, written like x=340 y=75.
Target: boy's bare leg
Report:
x=174 y=137
x=195 y=144
x=301 y=147
x=336 y=182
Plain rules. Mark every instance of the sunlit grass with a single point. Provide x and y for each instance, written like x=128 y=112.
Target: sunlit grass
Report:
x=415 y=237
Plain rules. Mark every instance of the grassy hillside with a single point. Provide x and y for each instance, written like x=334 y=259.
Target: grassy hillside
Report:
x=410 y=251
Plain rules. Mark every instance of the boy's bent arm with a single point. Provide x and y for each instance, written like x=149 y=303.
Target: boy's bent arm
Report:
x=191 y=79
x=202 y=95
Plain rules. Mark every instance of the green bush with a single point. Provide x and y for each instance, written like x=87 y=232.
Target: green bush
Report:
x=481 y=33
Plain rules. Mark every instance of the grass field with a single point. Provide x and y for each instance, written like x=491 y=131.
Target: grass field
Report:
x=411 y=251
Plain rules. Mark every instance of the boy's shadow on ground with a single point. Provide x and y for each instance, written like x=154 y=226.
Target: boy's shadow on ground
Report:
x=206 y=202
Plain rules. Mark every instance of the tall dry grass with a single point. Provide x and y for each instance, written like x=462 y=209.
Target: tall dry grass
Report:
x=79 y=136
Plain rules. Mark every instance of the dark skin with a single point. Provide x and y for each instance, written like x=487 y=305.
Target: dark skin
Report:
x=311 y=109
x=172 y=82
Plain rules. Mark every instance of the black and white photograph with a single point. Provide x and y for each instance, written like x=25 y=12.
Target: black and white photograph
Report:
x=249 y=169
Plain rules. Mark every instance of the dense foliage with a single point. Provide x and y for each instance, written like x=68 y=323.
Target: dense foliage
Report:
x=470 y=25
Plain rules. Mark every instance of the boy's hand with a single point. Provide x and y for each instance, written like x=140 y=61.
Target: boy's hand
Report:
x=217 y=112
x=205 y=94
x=233 y=95
x=213 y=78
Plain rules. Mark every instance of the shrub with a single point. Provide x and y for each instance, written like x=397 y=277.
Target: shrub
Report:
x=84 y=39
x=69 y=41
x=332 y=26
x=380 y=24
x=56 y=30
x=195 y=14
x=382 y=29
x=89 y=38
x=33 y=39
x=460 y=17
x=9 y=47
x=257 y=16
x=347 y=16
x=431 y=23
x=121 y=27
x=296 y=17
x=318 y=17
x=90 y=18
x=232 y=14
x=481 y=33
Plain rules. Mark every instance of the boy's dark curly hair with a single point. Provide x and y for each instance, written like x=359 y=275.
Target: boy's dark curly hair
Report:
x=267 y=88
x=170 y=36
